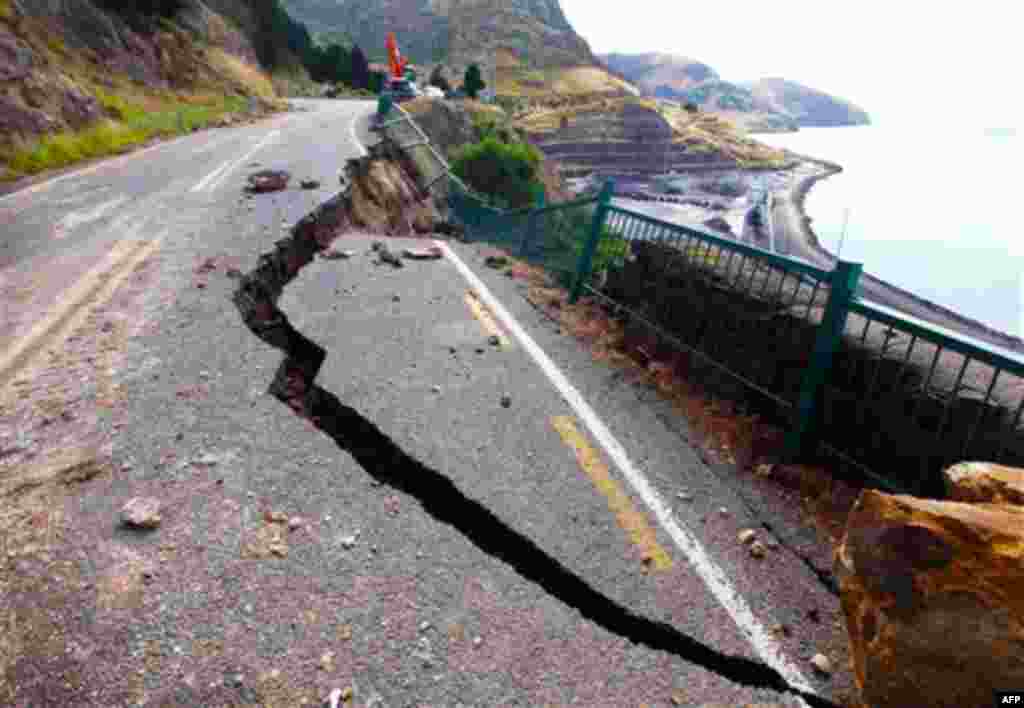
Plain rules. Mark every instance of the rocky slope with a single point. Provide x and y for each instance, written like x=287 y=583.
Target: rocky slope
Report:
x=765 y=105
x=454 y=32
x=67 y=66
x=658 y=74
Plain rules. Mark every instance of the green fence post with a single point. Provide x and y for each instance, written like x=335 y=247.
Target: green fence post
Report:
x=604 y=201
x=383 y=106
x=531 y=225
x=843 y=287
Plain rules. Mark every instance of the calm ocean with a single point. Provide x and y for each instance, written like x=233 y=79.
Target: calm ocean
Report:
x=936 y=211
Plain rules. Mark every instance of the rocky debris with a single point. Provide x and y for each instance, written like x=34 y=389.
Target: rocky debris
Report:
x=506 y=401
x=758 y=550
x=927 y=586
x=747 y=536
x=141 y=512
x=494 y=340
x=16 y=58
x=332 y=254
x=422 y=254
x=384 y=255
x=268 y=181
x=717 y=223
x=821 y=664
x=338 y=697
x=15 y=118
x=310 y=184
x=383 y=198
x=78 y=108
x=984 y=483
x=350 y=540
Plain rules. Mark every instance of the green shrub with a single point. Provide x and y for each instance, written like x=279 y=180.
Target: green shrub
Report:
x=505 y=172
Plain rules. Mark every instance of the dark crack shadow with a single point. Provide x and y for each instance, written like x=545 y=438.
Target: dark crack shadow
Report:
x=387 y=463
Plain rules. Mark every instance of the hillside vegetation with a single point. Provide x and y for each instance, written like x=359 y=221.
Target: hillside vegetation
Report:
x=455 y=33
x=88 y=78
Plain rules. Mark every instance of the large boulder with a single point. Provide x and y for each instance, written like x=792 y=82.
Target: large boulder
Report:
x=932 y=592
x=985 y=483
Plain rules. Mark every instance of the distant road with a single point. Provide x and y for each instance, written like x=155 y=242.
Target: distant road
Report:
x=64 y=236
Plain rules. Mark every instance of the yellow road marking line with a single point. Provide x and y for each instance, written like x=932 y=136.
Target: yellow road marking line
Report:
x=95 y=288
x=481 y=313
x=633 y=522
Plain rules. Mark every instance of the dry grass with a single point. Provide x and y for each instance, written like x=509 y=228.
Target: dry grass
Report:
x=516 y=80
x=247 y=76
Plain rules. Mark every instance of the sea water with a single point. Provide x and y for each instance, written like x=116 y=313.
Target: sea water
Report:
x=935 y=211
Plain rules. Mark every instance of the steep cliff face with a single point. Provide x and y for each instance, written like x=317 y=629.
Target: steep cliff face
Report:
x=454 y=32
x=69 y=65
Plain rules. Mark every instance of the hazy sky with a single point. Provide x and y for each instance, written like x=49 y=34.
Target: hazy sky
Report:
x=898 y=59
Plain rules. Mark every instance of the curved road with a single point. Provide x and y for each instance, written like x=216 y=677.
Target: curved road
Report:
x=446 y=547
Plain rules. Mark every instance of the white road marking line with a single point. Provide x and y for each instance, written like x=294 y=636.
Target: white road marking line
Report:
x=201 y=184
x=234 y=165
x=74 y=219
x=355 y=138
x=713 y=576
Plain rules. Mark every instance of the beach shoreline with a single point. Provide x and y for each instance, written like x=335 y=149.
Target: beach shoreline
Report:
x=802 y=241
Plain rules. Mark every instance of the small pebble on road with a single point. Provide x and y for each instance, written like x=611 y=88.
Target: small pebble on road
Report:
x=141 y=512
x=821 y=664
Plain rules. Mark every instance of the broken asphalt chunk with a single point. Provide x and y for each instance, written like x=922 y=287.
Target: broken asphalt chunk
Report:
x=268 y=181
x=332 y=254
x=423 y=254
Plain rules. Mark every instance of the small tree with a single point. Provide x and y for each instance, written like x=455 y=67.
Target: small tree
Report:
x=473 y=82
x=376 y=81
x=438 y=79
x=360 y=68
x=506 y=172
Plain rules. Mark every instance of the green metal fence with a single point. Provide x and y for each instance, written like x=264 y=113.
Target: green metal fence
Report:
x=894 y=398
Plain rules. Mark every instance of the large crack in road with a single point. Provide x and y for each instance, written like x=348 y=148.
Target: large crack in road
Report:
x=294 y=384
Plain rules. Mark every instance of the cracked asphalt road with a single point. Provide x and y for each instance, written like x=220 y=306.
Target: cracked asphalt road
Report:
x=287 y=565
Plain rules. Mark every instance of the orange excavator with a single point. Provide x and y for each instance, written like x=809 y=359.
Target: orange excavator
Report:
x=395 y=59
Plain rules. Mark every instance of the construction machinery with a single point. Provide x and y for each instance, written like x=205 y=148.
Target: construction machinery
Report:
x=398 y=86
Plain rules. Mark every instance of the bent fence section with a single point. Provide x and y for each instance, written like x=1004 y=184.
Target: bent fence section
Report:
x=893 y=398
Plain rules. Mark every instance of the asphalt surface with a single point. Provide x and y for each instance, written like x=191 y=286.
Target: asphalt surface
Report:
x=484 y=565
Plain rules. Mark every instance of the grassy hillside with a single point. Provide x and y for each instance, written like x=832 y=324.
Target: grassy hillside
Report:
x=516 y=77
x=85 y=81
